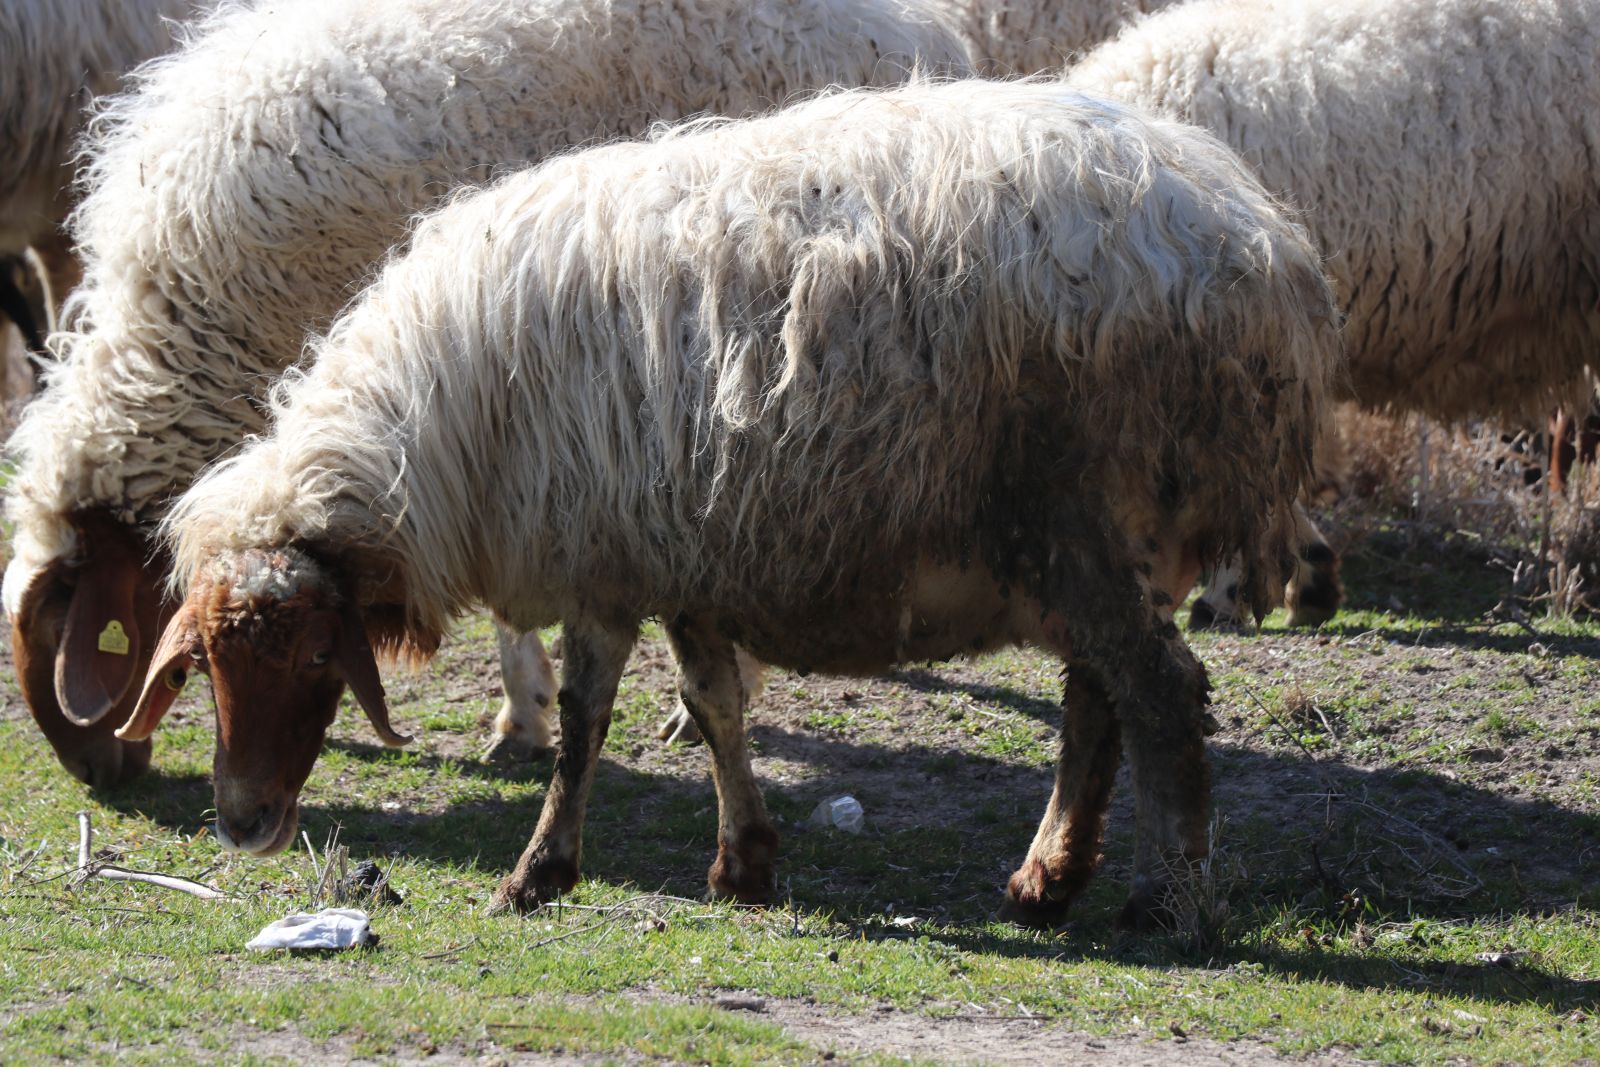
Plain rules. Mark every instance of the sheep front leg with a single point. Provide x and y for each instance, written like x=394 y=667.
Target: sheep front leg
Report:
x=592 y=663
x=522 y=728
x=712 y=690
x=1066 y=849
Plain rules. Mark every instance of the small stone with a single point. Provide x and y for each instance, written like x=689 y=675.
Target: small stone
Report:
x=741 y=1003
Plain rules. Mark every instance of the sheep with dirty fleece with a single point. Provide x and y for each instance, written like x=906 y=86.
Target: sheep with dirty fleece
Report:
x=1029 y=36
x=55 y=57
x=890 y=376
x=237 y=200
x=1442 y=152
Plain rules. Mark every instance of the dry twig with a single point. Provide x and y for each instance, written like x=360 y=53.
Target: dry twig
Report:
x=89 y=867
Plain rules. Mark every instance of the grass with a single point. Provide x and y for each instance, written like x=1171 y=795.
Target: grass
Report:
x=1389 y=890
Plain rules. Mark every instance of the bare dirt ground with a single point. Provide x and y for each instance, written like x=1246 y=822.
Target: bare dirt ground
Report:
x=1009 y=1042
x=839 y=1037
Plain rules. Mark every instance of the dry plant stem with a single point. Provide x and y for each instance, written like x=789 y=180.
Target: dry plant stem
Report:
x=91 y=869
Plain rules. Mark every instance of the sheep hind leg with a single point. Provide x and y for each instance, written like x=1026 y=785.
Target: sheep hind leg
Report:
x=713 y=690
x=1164 y=725
x=522 y=729
x=679 y=726
x=592 y=664
x=1066 y=849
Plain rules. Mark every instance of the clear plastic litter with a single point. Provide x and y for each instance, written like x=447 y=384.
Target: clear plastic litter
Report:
x=839 y=813
x=329 y=930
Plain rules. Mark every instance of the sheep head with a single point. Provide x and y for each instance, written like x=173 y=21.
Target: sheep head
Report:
x=280 y=639
x=80 y=637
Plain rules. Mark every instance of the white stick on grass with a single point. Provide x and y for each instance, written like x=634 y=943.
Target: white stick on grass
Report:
x=92 y=869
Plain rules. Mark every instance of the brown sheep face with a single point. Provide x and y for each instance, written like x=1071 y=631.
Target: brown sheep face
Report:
x=81 y=641
x=279 y=643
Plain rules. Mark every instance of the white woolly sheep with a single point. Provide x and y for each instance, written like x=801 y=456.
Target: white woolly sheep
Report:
x=1443 y=154
x=891 y=376
x=239 y=197
x=55 y=57
x=1029 y=36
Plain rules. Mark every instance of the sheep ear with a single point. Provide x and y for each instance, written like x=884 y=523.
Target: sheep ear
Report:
x=360 y=670
x=169 y=670
x=99 y=650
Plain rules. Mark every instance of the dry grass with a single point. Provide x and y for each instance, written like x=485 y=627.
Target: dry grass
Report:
x=1472 y=484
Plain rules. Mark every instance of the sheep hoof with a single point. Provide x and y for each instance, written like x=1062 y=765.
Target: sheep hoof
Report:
x=1034 y=898
x=534 y=884
x=1036 y=914
x=1305 y=616
x=506 y=749
x=679 y=727
x=1144 y=912
x=745 y=872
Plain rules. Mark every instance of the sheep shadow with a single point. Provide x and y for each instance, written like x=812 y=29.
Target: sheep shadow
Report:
x=1479 y=638
x=923 y=680
x=1298 y=837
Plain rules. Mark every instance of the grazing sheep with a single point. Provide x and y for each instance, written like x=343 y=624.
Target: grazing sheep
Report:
x=55 y=57
x=1028 y=36
x=1443 y=154
x=239 y=197
x=891 y=376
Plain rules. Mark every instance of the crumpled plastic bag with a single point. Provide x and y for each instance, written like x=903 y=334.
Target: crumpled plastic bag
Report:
x=842 y=813
x=329 y=929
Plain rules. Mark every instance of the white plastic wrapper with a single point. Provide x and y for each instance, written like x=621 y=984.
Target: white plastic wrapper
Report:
x=839 y=813
x=330 y=929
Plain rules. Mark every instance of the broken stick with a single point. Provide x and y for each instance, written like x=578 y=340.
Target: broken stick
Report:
x=91 y=868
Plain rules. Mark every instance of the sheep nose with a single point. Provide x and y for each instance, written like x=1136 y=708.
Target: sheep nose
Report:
x=245 y=833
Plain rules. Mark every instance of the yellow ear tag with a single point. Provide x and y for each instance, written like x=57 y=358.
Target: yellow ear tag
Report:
x=113 y=639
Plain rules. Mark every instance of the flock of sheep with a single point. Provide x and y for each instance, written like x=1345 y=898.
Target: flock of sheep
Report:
x=890 y=363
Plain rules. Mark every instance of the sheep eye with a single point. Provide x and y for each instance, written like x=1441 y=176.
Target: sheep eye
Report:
x=319 y=658
x=175 y=679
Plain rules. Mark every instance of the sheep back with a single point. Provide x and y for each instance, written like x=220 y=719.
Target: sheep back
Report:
x=1443 y=154
x=778 y=362
x=239 y=196
x=56 y=56
x=1028 y=36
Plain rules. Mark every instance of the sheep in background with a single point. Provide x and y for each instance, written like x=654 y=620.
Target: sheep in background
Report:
x=238 y=199
x=1443 y=155
x=1029 y=36
x=55 y=57
x=891 y=376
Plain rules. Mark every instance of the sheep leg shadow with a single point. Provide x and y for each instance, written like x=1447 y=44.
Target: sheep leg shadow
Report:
x=712 y=689
x=592 y=667
x=1066 y=849
x=522 y=729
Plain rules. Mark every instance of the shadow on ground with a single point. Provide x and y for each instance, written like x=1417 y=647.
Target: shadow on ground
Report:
x=1300 y=836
